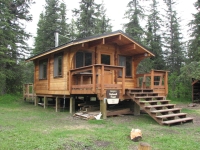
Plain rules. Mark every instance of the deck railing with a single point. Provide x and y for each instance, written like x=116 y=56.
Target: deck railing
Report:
x=156 y=80
x=95 y=75
x=28 y=91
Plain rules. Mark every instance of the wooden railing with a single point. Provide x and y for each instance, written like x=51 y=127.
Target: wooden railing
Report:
x=95 y=75
x=28 y=91
x=156 y=80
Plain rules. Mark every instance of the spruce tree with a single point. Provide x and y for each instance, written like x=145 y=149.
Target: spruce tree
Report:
x=13 y=46
x=103 y=24
x=51 y=21
x=173 y=39
x=153 y=37
x=87 y=18
x=194 y=44
x=134 y=13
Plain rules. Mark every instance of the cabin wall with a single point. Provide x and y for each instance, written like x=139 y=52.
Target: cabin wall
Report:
x=60 y=85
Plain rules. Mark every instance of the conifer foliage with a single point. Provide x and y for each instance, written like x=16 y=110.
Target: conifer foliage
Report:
x=51 y=21
x=13 y=47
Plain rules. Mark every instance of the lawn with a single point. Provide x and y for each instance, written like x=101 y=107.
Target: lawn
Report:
x=24 y=126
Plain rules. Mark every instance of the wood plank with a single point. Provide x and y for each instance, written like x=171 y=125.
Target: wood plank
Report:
x=165 y=105
x=171 y=115
x=165 y=110
x=178 y=120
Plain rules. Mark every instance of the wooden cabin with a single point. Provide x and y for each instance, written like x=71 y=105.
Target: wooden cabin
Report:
x=102 y=67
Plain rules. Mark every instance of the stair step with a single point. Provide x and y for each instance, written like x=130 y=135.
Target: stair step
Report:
x=140 y=90
x=178 y=120
x=155 y=106
x=171 y=115
x=154 y=101
x=150 y=97
x=165 y=110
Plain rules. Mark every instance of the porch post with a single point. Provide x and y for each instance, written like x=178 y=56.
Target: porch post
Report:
x=36 y=100
x=45 y=102
x=152 y=79
x=57 y=104
x=166 y=83
x=136 y=109
x=103 y=108
x=72 y=105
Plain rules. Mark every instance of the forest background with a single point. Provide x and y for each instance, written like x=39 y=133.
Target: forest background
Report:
x=154 y=23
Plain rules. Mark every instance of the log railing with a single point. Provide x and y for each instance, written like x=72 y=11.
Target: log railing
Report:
x=96 y=76
x=28 y=91
x=156 y=80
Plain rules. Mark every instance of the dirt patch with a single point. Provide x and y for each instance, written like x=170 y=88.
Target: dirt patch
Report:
x=102 y=143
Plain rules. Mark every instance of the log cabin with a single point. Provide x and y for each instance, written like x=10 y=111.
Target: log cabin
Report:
x=103 y=68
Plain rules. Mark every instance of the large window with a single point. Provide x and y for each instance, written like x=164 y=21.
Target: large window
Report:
x=58 y=65
x=127 y=62
x=83 y=59
x=43 y=69
x=105 y=59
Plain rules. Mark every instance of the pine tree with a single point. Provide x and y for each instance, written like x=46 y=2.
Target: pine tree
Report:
x=173 y=45
x=194 y=44
x=134 y=13
x=153 y=37
x=12 y=44
x=87 y=18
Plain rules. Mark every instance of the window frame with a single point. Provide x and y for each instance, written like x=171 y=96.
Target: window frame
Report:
x=58 y=63
x=104 y=59
x=43 y=69
x=125 y=65
x=83 y=59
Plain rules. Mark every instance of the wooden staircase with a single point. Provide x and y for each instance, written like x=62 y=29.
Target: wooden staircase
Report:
x=158 y=107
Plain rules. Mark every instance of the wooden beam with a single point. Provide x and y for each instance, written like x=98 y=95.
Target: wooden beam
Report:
x=127 y=47
x=57 y=104
x=113 y=39
x=72 y=105
x=45 y=102
x=36 y=100
x=96 y=43
x=103 y=108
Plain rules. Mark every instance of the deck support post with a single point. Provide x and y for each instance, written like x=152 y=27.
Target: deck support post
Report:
x=45 y=102
x=57 y=104
x=136 y=109
x=36 y=100
x=103 y=108
x=72 y=105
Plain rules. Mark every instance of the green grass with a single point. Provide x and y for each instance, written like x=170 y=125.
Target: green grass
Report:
x=25 y=127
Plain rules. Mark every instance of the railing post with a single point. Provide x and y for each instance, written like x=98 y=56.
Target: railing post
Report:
x=166 y=83
x=102 y=80
x=70 y=82
x=93 y=79
x=123 y=81
x=152 y=79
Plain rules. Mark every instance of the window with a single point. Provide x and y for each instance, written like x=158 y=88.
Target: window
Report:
x=127 y=62
x=105 y=59
x=83 y=59
x=58 y=63
x=43 y=69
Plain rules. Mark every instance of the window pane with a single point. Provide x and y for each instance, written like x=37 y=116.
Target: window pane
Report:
x=79 y=59
x=44 y=70
x=88 y=59
x=105 y=59
x=59 y=65
x=128 y=66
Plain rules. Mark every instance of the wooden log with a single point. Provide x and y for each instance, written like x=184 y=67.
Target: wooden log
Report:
x=57 y=104
x=144 y=146
x=103 y=108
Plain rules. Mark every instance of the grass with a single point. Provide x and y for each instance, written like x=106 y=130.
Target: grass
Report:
x=25 y=127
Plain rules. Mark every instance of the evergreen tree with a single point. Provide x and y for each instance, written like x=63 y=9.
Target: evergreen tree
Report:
x=103 y=22
x=134 y=13
x=12 y=44
x=51 y=21
x=87 y=18
x=173 y=45
x=153 y=37
x=194 y=44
